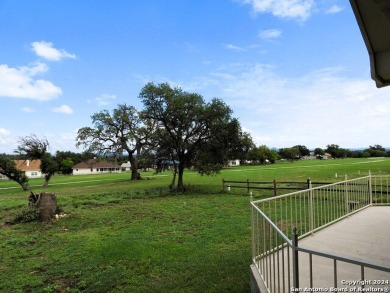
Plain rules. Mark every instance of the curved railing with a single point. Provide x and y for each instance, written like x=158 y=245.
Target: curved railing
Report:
x=277 y=221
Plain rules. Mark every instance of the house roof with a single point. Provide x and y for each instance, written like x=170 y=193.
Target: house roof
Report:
x=28 y=165
x=373 y=18
x=94 y=163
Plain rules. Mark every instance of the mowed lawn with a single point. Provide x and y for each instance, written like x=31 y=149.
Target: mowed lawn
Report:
x=123 y=236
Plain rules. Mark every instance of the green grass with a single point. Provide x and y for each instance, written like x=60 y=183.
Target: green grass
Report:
x=122 y=236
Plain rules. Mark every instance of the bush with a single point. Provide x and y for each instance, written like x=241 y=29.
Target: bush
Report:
x=26 y=215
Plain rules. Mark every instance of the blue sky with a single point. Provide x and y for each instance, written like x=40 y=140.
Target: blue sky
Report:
x=293 y=71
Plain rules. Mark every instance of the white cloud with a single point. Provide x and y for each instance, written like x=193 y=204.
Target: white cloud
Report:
x=270 y=34
x=234 y=47
x=5 y=139
x=46 y=50
x=334 y=9
x=63 y=140
x=27 y=110
x=319 y=108
x=296 y=9
x=4 y=131
x=65 y=109
x=103 y=100
x=20 y=83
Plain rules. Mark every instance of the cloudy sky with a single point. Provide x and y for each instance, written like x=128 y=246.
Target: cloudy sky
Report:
x=293 y=71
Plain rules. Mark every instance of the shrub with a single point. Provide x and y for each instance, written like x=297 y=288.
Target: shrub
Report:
x=26 y=215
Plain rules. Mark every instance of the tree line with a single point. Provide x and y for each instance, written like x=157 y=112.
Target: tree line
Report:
x=263 y=154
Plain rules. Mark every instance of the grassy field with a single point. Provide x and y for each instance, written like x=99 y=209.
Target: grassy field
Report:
x=122 y=236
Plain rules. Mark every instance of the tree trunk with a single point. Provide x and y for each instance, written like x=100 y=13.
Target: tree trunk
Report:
x=180 y=185
x=46 y=183
x=135 y=175
x=46 y=203
x=47 y=179
x=172 y=186
x=25 y=186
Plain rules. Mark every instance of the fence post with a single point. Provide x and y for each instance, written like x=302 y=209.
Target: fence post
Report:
x=275 y=187
x=247 y=185
x=346 y=194
x=311 y=207
x=223 y=184
x=295 y=258
x=252 y=227
x=370 y=186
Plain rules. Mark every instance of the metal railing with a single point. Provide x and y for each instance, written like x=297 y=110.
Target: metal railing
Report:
x=275 y=222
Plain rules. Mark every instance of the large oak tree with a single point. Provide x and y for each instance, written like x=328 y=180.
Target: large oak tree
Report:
x=191 y=132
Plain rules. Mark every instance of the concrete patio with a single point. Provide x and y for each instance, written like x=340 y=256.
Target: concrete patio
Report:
x=363 y=236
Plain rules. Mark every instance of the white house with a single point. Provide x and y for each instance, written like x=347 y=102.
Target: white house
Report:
x=232 y=163
x=126 y=166
x=94 y=166
x=32 y=168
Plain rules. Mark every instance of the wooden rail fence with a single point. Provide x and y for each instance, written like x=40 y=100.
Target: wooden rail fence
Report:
x=269 y=185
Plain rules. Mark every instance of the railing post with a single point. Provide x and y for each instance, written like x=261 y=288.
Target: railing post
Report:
x=370 y=186
x=252 y=226
x=346 y=194
x=311 y=207
x=275 y=187
x=295 y=258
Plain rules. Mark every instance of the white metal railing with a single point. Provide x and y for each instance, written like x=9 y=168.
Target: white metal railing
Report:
x=380 y=189
x=275 y=222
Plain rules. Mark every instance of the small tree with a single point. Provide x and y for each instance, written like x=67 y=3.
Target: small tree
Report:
x=34 y=148
x=66 y=160
x=319 y=152
x=239 y=145
x=261 y=154
x=290 y=154
x=303 y=150
x=336 y=151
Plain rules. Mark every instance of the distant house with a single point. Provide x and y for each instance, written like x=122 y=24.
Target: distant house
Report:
x=310 y=157
x=94 y=166
x=126 y=166
x=324 y=156
x=32 y=168
x=232 y=163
